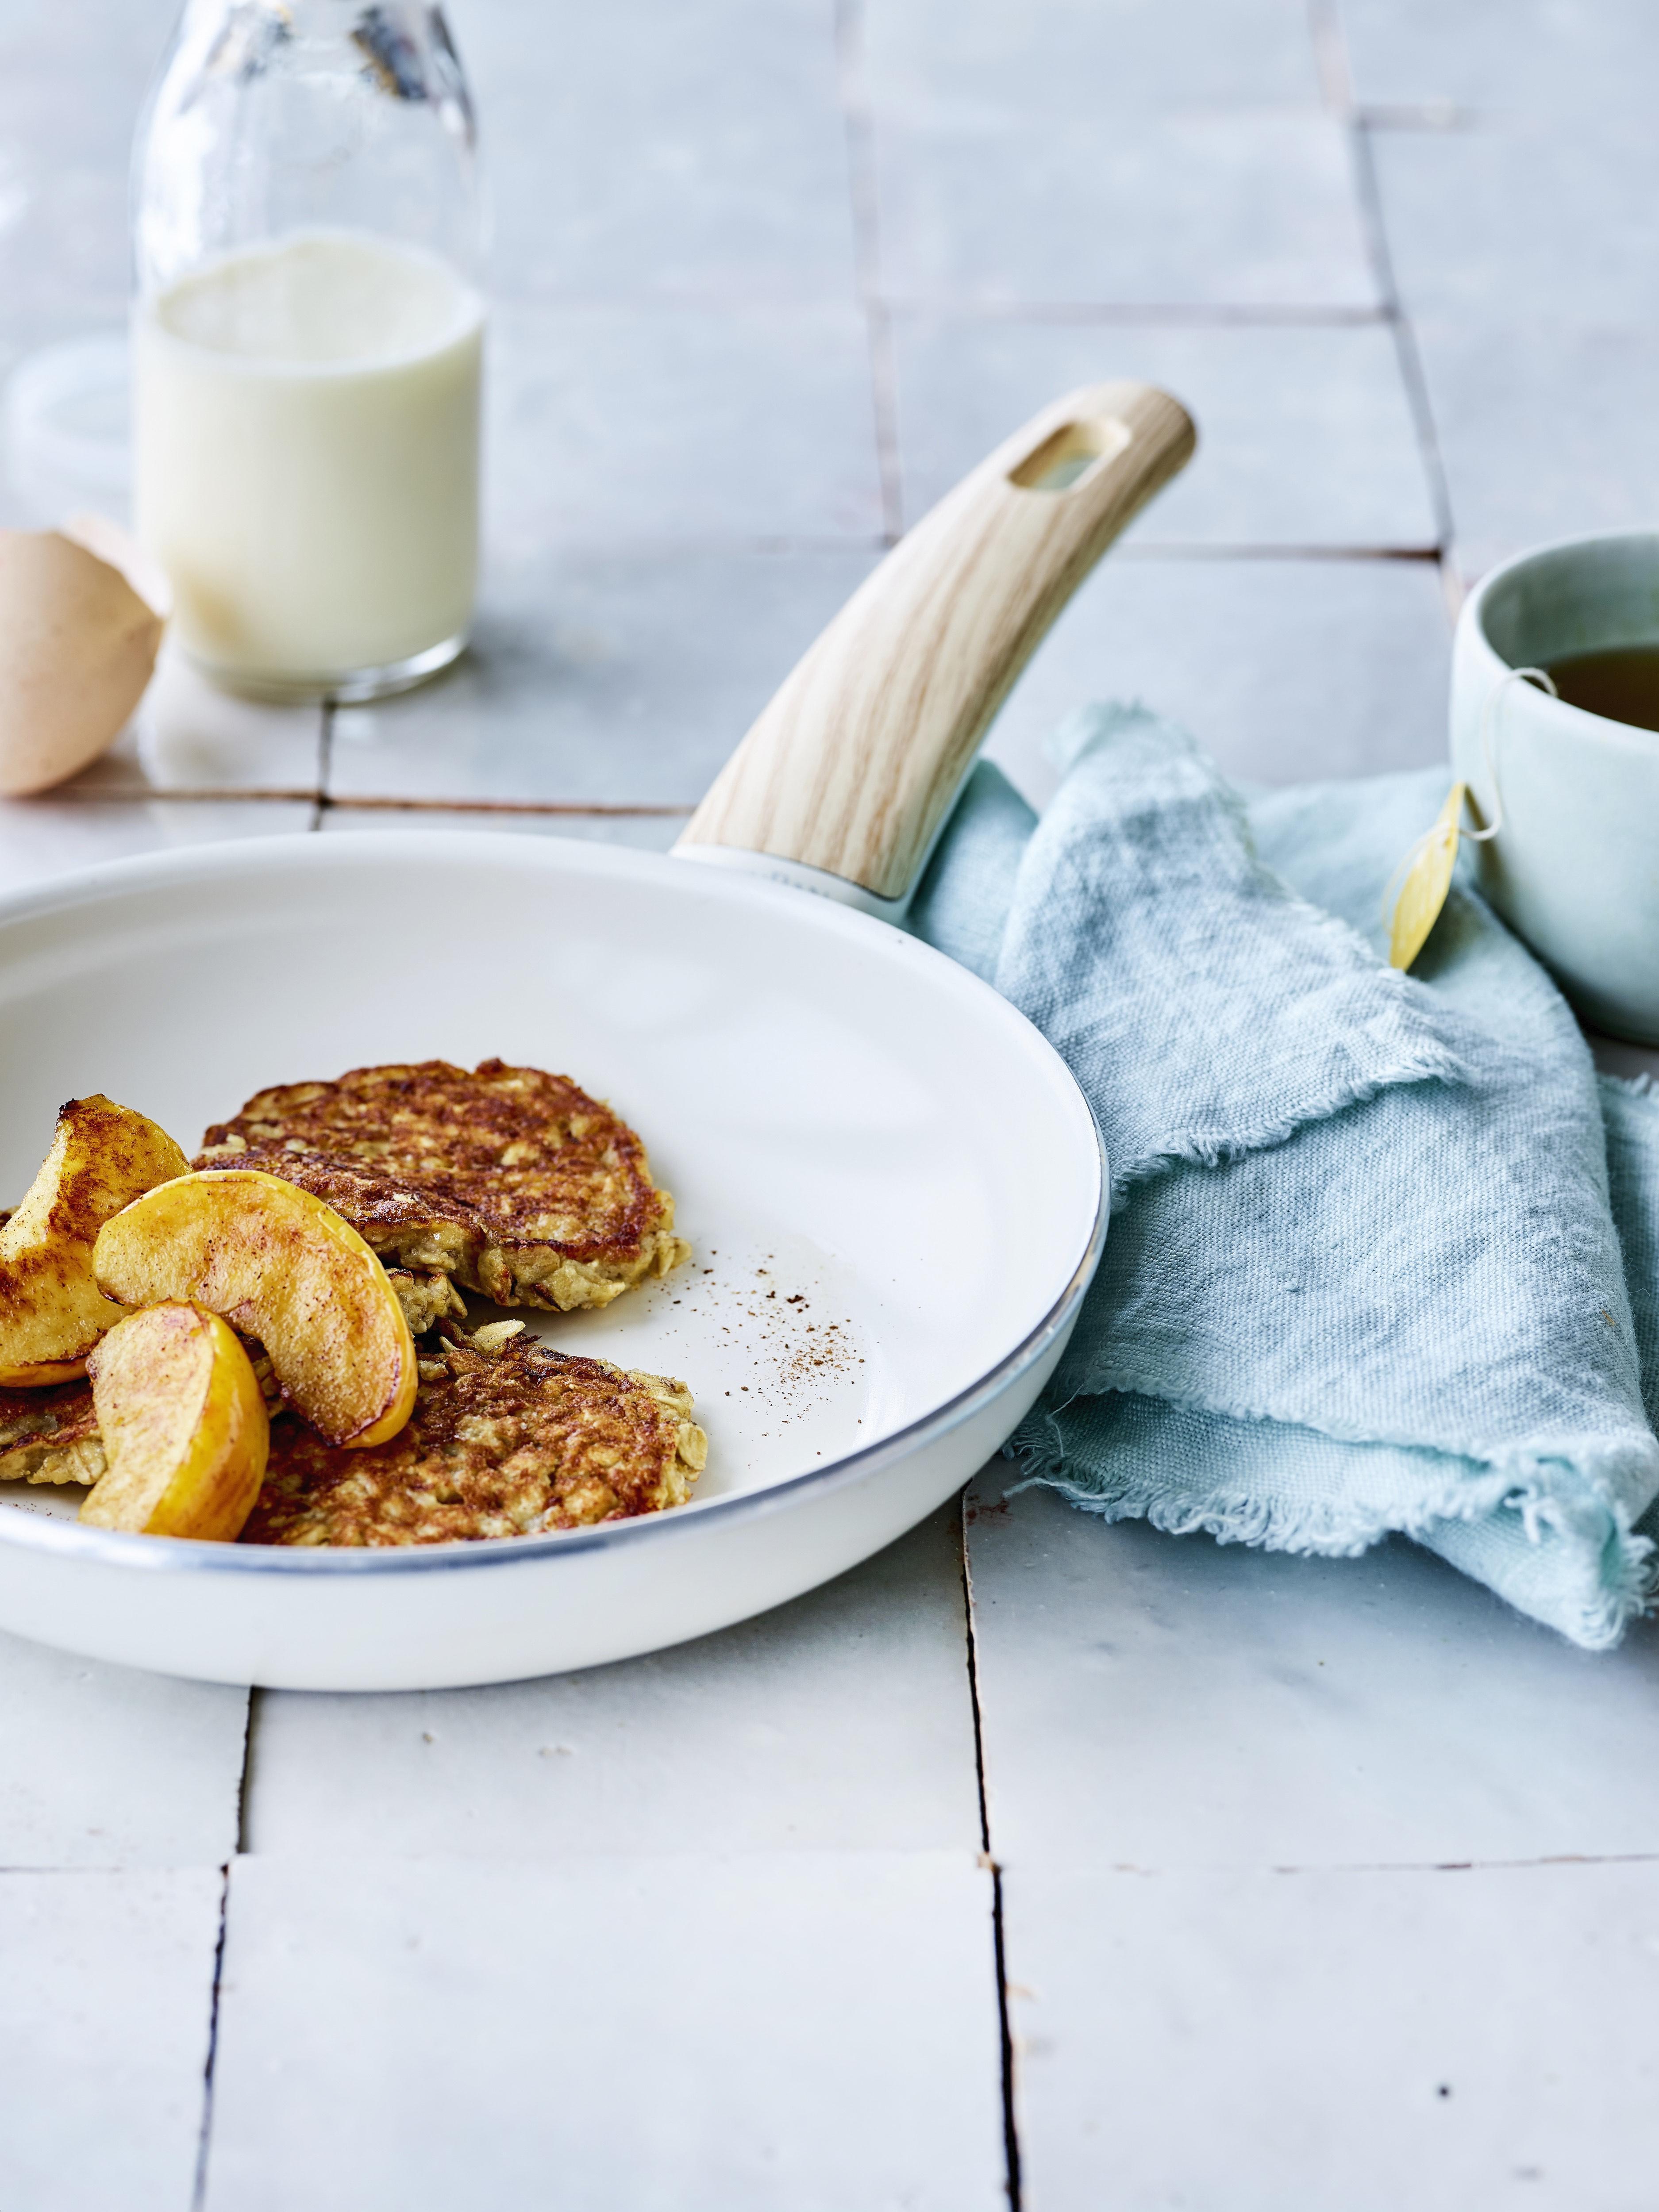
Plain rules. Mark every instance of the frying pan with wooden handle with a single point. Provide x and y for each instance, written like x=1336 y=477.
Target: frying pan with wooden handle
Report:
x=891 y=1185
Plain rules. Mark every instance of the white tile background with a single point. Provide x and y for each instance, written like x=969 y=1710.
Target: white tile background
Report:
x=1442 y=2039
x=1282 y=1848
x=627 y=2033
x=106 y=2004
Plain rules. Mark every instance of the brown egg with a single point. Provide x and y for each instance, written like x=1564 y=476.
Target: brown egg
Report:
x=77 y=645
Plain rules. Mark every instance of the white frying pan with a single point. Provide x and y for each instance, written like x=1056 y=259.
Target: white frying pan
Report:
x=892 y=1184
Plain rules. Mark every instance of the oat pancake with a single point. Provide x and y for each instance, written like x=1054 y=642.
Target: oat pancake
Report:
x=50 y=1436
x=509 y=1441
x=426 y=1298
x=511 y=1181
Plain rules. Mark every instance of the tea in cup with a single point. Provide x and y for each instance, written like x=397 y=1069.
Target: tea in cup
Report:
x=1571 y=783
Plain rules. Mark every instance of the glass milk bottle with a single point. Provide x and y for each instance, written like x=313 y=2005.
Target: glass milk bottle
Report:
x=309 y=343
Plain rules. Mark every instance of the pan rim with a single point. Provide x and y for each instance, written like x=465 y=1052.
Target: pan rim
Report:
x=114 y=1549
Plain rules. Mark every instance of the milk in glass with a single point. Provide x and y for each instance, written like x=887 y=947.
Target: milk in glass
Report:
x=307 y=460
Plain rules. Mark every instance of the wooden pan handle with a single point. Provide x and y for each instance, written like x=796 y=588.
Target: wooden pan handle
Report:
x=854 y=764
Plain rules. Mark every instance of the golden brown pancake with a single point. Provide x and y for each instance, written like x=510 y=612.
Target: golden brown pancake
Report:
x=426 y=1299
x=509 y=1441
x=50 y=1436
x=514 y=1183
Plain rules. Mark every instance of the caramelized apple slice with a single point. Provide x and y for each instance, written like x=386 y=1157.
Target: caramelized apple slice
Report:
x=52 y=1314
x=184 y=1426
x=282 y=1266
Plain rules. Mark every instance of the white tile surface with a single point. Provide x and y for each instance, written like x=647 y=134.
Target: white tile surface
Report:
x=1526 y=217
x=1086 y=56
x=1305 y=436
x=601 y=676
x=43 y=837
x=664 y=151
x=188 y=736
x=105 y=2003
x=1580 y=56
x=660 y=425
x=841 y=1721
x=780 y=2030
x=104 y=1766
x=118 y=38
x=1546 y=428
x=69 y=94
x=1156 y=1702
x=1284 y=671
x=1267 y=2043
x=64 y=250
x=1211 y=210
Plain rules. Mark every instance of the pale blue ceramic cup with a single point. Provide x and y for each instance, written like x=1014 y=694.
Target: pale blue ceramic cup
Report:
x=1575 y=866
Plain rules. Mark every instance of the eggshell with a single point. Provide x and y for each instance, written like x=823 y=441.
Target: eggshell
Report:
x=123 y=552
x=77 y=645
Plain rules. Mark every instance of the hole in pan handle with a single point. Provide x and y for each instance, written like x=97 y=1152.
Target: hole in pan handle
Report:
x=847 y=776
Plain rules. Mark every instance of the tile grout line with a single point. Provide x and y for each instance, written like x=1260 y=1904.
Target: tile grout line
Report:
x=1179 y=1869
x=255 y=1701
x=866 y=230
x=1473 y=1866
x=1336 y=83
x=1319 y=313
x=1176 y=548
x=280 y=795
x=559 y=809
x=1011 y=2183
x=1185 y=315
x=199 y=2188
x=198 y=2185
x=147 y=794
x=1411 y=371
x=325 y=764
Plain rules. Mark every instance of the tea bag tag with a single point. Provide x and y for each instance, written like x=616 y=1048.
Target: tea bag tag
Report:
x=1429 y=868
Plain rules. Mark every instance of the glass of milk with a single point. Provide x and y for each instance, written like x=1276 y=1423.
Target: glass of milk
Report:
x=309 y=339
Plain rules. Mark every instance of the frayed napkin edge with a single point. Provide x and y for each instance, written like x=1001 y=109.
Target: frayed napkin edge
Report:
x=1521 y=1464
x=1237 y=1518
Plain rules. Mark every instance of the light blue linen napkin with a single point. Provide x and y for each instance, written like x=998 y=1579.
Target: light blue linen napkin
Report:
x=1382 y=1252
